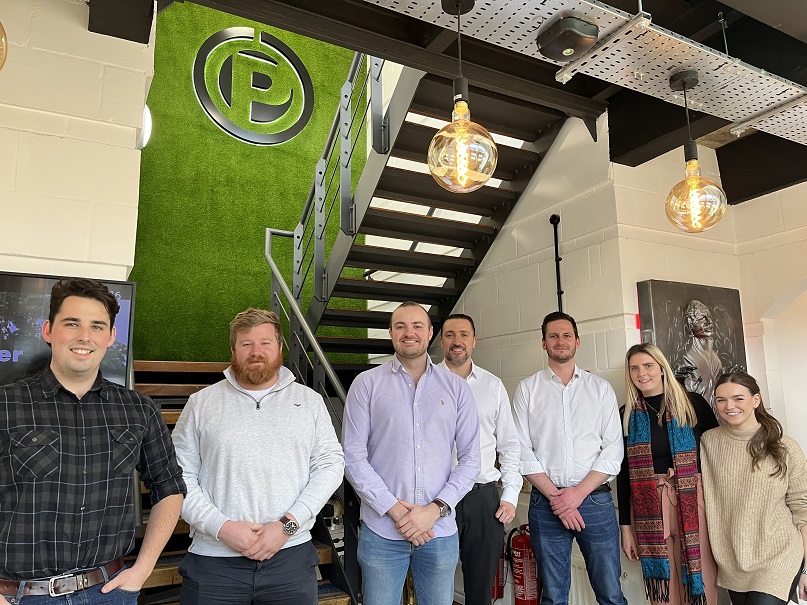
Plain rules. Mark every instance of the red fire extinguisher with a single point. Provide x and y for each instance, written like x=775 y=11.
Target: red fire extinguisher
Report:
x=497 y=592
x=525 y=572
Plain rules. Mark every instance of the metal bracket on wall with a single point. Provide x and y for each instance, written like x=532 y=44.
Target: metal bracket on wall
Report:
x=380 y=121
x=347 y=220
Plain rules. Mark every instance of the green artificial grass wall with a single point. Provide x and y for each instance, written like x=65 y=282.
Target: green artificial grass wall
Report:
x=206 y=197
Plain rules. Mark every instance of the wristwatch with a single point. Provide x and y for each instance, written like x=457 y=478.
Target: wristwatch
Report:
x=290 y=526
x=445 y=509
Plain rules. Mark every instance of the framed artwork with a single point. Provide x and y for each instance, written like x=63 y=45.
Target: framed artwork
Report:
x=698 y=328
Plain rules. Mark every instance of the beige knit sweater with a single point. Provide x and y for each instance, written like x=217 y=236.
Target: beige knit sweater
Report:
x=754 y=519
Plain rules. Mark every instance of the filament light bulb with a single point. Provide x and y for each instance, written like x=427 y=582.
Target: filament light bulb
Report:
x=462 y=155
x=697 y=203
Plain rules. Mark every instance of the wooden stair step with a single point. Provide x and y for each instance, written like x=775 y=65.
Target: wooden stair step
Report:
x=422 y=228
x=330 y=594
x=182 y=526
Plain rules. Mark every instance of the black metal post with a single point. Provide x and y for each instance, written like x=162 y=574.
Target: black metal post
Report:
x=555 y=220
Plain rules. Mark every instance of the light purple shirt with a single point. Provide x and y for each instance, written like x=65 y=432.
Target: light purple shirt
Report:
x=399 y=440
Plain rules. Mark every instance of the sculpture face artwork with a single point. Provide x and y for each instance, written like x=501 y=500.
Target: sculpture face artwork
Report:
x=698 y=328
x=702 y=366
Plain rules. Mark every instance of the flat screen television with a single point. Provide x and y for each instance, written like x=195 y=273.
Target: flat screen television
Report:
x=24 y=307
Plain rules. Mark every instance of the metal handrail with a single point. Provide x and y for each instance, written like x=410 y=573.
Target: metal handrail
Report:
x=358 y=58
x=295 y=309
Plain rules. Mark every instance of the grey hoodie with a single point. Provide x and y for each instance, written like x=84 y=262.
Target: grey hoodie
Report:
x=248 y=460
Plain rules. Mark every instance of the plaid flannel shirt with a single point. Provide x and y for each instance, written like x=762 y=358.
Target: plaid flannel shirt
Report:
x=66 y=468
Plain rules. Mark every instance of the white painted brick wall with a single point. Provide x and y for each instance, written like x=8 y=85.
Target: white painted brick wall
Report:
x=71 y=105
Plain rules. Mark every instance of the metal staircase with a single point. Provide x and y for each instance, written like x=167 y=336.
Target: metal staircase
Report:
x=400 y=235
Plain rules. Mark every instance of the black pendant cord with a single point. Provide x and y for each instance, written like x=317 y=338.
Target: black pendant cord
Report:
x=686 y=108
x=555 y=220
x=459 y=34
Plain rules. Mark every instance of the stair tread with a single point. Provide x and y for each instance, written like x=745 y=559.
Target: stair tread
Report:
x=420 y=188
x=497 y=112
x=346 y=344
x=392 y=291
x=359 y=317
x=428 y=229
x=407 y=261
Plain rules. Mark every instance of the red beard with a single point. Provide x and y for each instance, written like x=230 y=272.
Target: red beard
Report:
x=256 y=373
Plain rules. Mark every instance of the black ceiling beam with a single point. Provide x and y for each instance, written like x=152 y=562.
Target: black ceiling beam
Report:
x=760 y=164
x=404 y=40
x=130 y=20
x=642 y=127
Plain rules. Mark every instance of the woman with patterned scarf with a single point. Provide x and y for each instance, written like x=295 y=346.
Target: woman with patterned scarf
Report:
x=661 y=511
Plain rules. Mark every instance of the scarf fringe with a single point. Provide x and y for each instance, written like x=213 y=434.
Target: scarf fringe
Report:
x=657 y=589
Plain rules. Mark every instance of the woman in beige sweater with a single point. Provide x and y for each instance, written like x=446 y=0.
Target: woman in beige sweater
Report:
x=755 y=487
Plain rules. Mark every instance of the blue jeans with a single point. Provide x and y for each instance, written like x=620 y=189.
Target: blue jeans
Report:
x=384 y=564
x=90 y=596
x=598 y=542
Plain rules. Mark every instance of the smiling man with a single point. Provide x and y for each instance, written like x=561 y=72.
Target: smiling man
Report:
x=69 y=443
x=571 y=446
x=402 y=421
x=482 y=513
x=261 y=459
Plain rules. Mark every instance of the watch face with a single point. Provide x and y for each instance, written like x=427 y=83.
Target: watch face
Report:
x=290 y=527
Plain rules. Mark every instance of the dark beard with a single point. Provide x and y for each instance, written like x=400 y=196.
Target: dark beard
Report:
x=256 y=374
x=562 y=358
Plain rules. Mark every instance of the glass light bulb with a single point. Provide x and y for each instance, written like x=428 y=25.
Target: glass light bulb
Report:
x=696 y=203
x=462 y=155
x=3 y=46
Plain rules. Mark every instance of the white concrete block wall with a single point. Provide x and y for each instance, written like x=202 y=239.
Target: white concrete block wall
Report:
x=515 y=286
x=771 y=255
x=71 y=105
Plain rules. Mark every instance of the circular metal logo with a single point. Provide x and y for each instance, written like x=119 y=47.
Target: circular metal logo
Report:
x=253 y=86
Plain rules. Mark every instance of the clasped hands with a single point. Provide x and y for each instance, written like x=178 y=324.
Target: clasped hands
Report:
x=415 y=522
x=253 y=540
x=565 y=502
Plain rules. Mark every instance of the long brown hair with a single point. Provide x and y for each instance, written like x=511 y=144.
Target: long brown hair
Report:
x=767 y=441
x=675 y=397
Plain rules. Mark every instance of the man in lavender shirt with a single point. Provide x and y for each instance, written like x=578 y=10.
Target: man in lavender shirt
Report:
x=402 y=421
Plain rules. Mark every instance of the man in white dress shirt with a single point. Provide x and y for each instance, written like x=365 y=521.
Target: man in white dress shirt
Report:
x=482 y=513
x=571 y=446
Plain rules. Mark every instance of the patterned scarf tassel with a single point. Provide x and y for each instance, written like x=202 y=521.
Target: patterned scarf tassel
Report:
x=693 y=582
x=657 y=589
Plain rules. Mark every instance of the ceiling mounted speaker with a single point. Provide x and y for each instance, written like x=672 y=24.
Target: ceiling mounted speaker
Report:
x=567 y=39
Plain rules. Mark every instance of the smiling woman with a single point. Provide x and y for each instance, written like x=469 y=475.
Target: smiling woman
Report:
x=663 y=425
x=755 y=484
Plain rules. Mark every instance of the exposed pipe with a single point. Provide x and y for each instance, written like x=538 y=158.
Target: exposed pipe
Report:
x=555 y=220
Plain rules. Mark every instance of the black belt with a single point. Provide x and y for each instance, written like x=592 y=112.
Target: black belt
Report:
x=482 y=485
x=600 y=489
x=64 y=584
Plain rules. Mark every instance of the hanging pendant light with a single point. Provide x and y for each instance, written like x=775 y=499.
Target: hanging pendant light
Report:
x=462 y=155
x=3 y=46
x=696 y=203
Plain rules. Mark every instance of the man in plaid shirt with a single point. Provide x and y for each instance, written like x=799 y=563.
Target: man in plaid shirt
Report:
x=69 y=443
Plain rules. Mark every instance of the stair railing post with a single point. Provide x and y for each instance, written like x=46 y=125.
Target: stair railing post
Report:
x=380 y=121
x=320 y=279
x=347 y=211
x=297 y=274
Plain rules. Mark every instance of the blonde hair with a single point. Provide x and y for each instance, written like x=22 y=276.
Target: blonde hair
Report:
x=246 y=320
x=674 y=398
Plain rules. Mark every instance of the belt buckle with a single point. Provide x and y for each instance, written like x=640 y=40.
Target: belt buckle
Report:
x=51 y=588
